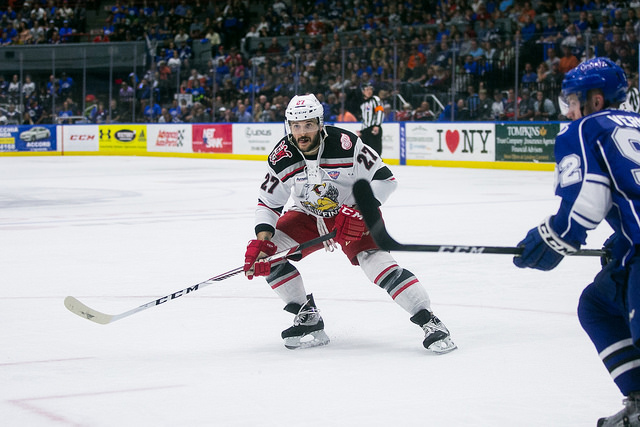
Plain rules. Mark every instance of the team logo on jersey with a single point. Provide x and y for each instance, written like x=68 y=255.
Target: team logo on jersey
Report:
x=321 y=199
x=280 y=153
x=334 y=174
x=345 y=141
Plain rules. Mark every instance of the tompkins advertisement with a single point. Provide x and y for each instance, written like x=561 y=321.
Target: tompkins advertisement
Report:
x=24 y=138
x=125 y=139
x=526 y=143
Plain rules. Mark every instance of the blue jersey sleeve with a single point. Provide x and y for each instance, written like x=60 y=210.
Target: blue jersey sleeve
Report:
x=582 y=185
x=598 y=177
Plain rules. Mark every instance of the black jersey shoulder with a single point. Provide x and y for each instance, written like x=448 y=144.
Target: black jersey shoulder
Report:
x=284 y=156
x=339 y=143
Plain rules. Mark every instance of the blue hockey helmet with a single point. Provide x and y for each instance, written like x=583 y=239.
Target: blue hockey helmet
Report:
x=596 y=73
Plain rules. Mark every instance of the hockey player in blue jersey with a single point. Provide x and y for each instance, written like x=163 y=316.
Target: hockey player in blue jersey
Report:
x=598 y=178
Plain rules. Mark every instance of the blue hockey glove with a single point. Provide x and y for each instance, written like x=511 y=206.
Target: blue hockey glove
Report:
x=542 y=248
x=607 y=247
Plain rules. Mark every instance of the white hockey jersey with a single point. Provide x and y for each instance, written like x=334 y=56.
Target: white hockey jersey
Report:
x=320 y=186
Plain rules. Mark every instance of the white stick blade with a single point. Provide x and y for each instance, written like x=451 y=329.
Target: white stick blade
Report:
x=82 y=310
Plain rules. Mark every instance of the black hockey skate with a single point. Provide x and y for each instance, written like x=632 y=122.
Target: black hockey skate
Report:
x=436 y=335
x=628 y=417
x=308 y=327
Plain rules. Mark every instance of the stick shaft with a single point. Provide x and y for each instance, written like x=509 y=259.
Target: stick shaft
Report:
x=367 y=204
x=77 y=307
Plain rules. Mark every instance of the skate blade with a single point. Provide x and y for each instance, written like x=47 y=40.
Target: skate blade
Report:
x=617 y=421
x=442 y=346
x=312 y=339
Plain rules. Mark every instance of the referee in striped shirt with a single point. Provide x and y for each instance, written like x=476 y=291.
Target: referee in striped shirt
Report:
x=372 y=114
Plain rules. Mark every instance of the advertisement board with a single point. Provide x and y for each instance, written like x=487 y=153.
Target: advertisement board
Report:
x=391 y=141
x=26 y=138
x=123 y=139
x=450 y=141
x=519 y=145
x=521 y=142
x=79 y=138
x=256 y=138
x=169 y=138
x=214 y=138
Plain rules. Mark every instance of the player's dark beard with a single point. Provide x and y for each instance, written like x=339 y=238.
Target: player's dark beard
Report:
x=313 y=149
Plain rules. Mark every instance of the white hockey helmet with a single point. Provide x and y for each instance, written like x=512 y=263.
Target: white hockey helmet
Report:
x=304 y=107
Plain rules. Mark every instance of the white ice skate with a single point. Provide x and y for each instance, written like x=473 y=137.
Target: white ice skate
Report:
x=629 y=416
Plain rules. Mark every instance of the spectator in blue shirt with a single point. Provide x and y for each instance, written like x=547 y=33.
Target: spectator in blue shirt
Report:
x=445 y=115
x=442 y=31
x=175 y=110
x=185 y=51
x=444 y=55
x=65 y=112
x=470 y=66
x=505 y=6
x=66 y=32
x=66 y=85
x=5 y=40
x=182 y=8
x=581 y=23
x=476 y=50
x=529 y=77
x=243 y=115
x=528 y=28
x=151 y=112
x=472 y=102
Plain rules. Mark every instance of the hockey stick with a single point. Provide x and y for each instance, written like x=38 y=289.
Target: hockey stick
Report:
x=82 y=310
x=368 y=205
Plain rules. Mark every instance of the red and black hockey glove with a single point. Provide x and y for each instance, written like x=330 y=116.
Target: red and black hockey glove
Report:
x=349 y=225
x=254 y=265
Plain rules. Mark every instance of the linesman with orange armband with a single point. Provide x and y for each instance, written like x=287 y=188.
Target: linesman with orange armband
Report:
x=372 y=116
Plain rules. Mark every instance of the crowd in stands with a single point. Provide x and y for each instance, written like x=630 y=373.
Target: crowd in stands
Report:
x=431 y=60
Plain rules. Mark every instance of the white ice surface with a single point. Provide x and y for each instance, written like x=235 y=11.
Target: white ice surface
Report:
x=119 y=232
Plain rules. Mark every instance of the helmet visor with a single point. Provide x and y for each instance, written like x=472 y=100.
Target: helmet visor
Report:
x=569 y=102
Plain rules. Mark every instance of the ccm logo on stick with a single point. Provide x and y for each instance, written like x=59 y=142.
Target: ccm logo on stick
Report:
x=465 y=249
x=176 y=294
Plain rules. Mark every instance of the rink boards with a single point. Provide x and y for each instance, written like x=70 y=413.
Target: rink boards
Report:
x=505 y=145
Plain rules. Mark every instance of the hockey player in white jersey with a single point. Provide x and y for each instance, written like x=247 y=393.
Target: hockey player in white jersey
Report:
x=598 y=178
x=316 y=165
